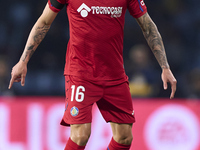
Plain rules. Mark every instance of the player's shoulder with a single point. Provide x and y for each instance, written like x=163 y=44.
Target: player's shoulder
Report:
x=57 y=5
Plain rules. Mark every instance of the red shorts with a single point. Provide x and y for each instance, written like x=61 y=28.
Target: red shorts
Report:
x=113 y=101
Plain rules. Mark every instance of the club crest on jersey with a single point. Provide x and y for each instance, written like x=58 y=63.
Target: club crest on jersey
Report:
x=100 y=10
x=74 y=111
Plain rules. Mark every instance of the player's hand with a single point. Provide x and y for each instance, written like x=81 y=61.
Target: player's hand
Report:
x=167 y=76
x=18 y=73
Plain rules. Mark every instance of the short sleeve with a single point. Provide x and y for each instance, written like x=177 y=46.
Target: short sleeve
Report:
x=137 y=8
x=56 y=5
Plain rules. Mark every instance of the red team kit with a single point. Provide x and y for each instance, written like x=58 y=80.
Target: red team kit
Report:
x=94 y=69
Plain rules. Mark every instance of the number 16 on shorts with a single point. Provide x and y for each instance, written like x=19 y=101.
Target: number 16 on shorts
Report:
x=77 y=93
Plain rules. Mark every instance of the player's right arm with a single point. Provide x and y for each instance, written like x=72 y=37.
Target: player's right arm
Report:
x=36 y=35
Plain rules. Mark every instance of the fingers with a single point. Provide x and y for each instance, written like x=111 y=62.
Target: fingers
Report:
x=22 y=80
x=17 y=79
x=173 y=87
x=18 y=73
x=11 y=83
x=167 y=76
x=165 y=85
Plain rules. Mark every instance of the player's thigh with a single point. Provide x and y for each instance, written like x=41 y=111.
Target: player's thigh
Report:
x=122 y=133
x=80 y=97
x=116 y=104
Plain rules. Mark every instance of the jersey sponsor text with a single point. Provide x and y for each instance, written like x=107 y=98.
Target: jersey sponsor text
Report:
x=113 y=11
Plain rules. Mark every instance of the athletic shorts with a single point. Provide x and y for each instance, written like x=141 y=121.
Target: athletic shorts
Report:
x=113 y=101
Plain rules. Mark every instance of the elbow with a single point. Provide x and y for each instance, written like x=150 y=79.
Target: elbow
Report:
x=43 y=22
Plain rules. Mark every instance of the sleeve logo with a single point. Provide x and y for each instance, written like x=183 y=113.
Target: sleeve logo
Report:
x=142 y=3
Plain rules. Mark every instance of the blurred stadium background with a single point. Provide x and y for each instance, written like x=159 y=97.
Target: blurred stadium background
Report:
x=30 y=115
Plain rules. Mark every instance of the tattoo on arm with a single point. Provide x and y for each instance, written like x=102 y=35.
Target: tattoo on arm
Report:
x=154 y=40
x=30 y=47
x=40 y=33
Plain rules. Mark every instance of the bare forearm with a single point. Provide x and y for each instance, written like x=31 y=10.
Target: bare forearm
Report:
x=154 y=40
x=156 y=44
x=37 y=34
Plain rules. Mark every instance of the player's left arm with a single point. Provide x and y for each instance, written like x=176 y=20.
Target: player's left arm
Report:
x=155 y=42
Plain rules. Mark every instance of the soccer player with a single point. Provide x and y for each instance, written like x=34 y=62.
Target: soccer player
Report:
x=94 y=71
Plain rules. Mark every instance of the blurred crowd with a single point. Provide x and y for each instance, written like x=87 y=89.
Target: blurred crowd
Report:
x=178 y=22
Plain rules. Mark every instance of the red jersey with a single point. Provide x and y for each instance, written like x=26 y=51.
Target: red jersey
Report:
x=95 y=47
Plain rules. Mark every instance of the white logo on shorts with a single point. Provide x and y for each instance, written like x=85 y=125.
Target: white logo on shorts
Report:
x=133 y=112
